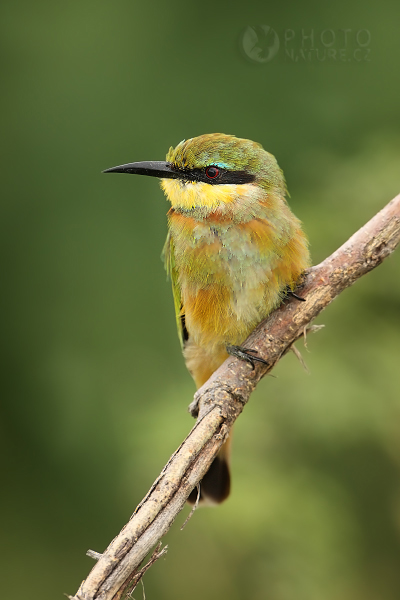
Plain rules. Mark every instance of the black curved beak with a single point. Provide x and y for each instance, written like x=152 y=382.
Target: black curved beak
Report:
x=152 y=168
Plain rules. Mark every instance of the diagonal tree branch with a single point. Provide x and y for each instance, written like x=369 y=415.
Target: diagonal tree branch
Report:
x=222 y=398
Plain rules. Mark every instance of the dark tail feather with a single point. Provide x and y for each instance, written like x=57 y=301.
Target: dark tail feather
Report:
x=216 y=483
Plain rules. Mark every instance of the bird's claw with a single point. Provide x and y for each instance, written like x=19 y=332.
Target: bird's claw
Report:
x=290 y=293
x=244 y=354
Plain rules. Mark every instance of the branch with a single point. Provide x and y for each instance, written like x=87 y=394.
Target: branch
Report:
x=222 y=398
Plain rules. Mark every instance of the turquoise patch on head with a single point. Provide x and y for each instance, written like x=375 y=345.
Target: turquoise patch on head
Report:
x=222 y=165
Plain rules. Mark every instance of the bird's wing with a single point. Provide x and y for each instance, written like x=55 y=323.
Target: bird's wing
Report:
x=169 y=262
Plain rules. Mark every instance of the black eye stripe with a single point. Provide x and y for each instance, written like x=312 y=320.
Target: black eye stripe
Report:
x=224 y=176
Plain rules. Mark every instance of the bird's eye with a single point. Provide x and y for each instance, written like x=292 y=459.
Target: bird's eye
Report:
x=212 y=172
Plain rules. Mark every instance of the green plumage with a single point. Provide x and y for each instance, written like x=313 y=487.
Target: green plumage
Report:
x=231 y=153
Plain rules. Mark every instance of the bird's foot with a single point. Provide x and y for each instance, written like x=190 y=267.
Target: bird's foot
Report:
x=290 y=293
x=245 y=354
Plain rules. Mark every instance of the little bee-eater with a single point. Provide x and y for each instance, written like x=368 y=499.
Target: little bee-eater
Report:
x=234 y=250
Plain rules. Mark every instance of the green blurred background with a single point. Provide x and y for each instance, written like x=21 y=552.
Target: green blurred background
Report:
x=94 y=388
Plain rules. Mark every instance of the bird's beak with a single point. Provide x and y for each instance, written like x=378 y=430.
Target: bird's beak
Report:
x=152 y=168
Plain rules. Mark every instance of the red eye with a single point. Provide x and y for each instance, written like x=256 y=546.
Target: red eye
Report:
x=212 y=172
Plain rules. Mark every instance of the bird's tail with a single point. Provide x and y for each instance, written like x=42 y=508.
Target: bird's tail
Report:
x=216 y=483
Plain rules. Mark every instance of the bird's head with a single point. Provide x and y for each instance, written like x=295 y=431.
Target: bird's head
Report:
x=212 y=170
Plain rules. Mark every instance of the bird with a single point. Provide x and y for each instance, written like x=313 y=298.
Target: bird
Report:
x=233 y=252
